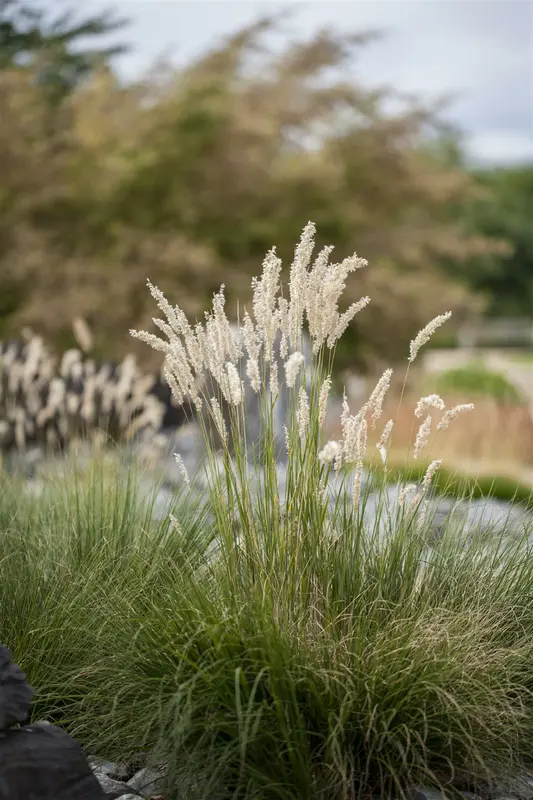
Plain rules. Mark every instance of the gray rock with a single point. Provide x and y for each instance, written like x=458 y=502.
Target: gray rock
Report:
x=519 y=789
x=110 y=769
x=147 y=781
x=112 y=778
x=111 y=787
x=487 y=514
x=421 y=793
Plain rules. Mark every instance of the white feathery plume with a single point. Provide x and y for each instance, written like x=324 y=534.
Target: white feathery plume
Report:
x=431 y=401
x=235 y=394
x=406 y=491
x=274 y=380
x=384 y=440
x=422 y=436
x=303 y=413
x=219 y=419
x=251 y=342
x=357 y=485
x=252 y=370
x=430 y=472
x=315 y=309
x=426 y=333
x=182 y=469
x=345 y=319
x=298 y=282
x=323 y=400
x=283 y=325
x=292 y=368
x=452 y=413
x=375 y=401
x=325 y=284
x=265 y=290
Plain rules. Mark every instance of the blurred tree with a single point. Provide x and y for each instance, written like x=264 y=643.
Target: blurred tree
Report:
x=191 y=175
x=505 y=213
x=58 y=43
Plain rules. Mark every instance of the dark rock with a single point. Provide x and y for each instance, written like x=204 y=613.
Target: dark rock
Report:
x=42 y=762
x=128 y=796
x=15 y=693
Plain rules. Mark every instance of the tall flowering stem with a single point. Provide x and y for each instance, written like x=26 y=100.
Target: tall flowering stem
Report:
x=281 y=532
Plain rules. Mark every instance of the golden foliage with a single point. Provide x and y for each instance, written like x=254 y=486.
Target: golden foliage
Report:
x=189 y=176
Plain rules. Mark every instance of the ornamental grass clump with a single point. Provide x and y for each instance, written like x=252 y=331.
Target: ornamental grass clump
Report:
x=218 y=356
x=331 y=647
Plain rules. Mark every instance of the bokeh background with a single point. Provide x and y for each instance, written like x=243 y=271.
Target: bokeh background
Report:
x=179 y=141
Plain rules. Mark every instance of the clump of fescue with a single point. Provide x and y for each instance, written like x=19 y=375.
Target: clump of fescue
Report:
x=326 y=640
x=317 y=651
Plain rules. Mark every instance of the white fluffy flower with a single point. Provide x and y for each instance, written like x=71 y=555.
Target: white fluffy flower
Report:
x=252 y=370
x=235 y=394
x=292 y=367
x=331 y=451
x=431 y=401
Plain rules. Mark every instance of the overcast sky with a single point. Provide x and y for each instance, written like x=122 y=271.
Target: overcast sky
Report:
x=480 y=50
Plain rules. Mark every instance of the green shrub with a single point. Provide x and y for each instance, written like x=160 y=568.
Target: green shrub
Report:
x=476 y=380
x=452 y=484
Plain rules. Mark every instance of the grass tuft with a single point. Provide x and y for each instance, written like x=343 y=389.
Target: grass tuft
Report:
x=277 y=643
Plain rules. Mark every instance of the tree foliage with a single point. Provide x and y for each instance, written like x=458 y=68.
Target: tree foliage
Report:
x=505 y=213
x=30 y=34
x=190 y=175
